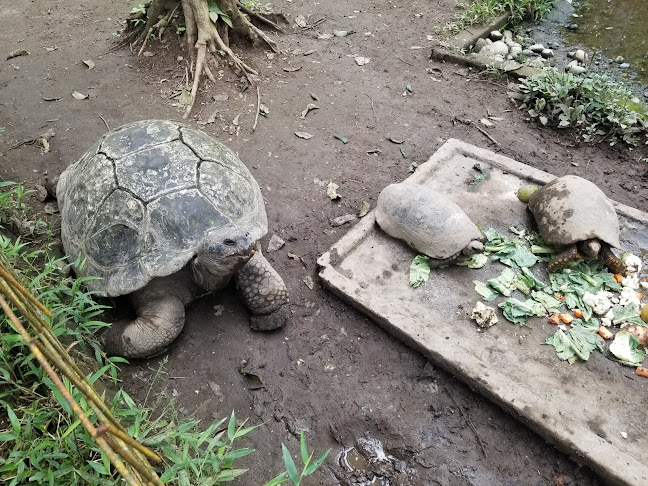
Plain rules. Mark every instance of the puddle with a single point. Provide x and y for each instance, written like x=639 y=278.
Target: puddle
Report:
x=369 y=461
x=606 y=29
x=615 y=28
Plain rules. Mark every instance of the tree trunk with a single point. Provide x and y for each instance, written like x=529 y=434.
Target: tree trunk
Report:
x=203 y=37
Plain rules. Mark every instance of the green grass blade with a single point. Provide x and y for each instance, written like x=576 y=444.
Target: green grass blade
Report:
x=291 y=469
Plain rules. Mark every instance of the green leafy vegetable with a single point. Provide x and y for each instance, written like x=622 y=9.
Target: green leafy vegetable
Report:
x=551 y=304
x=476 y=261
x=504 y=283
x=485 y=291
x=577 y=343
x=513 y=253
x=419 y=270
x=518 y=312
x=626 y=315
x=625 y=347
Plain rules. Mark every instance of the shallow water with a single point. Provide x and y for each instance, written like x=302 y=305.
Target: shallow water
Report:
x=615 y=28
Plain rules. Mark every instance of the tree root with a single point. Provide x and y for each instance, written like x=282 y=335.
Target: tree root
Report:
x=204 y=39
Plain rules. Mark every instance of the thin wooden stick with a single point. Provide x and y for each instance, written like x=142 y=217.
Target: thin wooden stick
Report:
x=256 y=118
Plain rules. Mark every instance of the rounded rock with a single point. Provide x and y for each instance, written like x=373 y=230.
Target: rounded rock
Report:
x=496 y=35
x=580 y=55
x=537 y=48
x=497 y=48
x=479 y=45
x=547 y=53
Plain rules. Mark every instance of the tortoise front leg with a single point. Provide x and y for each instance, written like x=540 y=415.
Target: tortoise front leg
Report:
x=613 y=262
x=159 y=321
x=560 y=261
x=264 y=293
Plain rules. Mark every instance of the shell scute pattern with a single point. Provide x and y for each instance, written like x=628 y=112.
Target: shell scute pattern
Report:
x=153 y=171
x=138 y=203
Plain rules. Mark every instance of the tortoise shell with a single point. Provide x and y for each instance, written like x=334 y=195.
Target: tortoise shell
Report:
x=138 y=203
x=570 y=209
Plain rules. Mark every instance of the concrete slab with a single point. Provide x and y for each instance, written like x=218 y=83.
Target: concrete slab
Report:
x=587 y=408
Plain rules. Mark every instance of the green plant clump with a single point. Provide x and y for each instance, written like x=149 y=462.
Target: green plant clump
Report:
x=596 y=106
x=481 y=11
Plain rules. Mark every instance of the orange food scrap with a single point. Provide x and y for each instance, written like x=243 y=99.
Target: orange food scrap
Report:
x=639 y=295
x=618 y=277
x=561 y=298
x=555 y=319
x=566 y=318
x=641 y=371
x=605 y=333
x=578 y=313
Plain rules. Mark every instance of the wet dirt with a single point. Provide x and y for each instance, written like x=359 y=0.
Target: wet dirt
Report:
x=332 y=372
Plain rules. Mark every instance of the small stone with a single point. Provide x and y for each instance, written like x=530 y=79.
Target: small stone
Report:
x=497 y=48
x=569 y=66
x=275 y=243
x=508 y=34
x=645 y=93
x=580 y=55
x=516 y=51
x=618 y=59
x=537 y=48
x=537 y=63
x=528 y=52
x=496 y=35
x=572 y=27
x=488 y=41
x=577 y=70
x=624 y=65
x=479 y=45
x=547 y=53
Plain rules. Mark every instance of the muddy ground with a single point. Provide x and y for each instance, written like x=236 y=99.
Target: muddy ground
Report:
x=332 y=372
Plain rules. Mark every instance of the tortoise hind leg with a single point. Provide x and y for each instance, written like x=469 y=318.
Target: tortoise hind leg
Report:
x=560 y=261
x=613 y=262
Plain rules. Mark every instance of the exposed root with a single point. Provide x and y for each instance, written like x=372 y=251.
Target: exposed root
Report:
x=204 y=38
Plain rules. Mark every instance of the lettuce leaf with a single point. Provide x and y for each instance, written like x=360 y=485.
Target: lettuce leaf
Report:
x=626 y=347
x=419 y=270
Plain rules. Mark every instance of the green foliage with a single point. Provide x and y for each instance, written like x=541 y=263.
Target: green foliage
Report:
x=216 y=13
x=257 y=6
x=291 y=473
x=14 y=213
x=595 y=105
x=479 y=11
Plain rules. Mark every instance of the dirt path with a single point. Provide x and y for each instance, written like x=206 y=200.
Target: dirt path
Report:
x=332 y=372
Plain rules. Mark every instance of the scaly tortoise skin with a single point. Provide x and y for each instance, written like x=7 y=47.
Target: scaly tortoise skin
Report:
x=573 y=213
x=163 y=213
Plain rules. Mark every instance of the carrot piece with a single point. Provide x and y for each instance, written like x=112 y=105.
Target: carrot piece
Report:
x=618 y=277
x=605 y=333
x=641 y=371
x=561 y=298
x=639 y=296
x=578 y=313
x=555 y=319
x=566 y=318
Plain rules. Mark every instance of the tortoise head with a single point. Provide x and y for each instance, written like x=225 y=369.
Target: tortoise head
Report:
x=223 y=252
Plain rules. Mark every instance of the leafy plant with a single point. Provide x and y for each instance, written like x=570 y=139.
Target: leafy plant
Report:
x=595 y=105
x=257 y=6
x=14 y=213
x=291 y=473
x=215 y=13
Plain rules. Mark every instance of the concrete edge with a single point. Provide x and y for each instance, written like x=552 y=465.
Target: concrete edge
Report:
x=469 y=36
